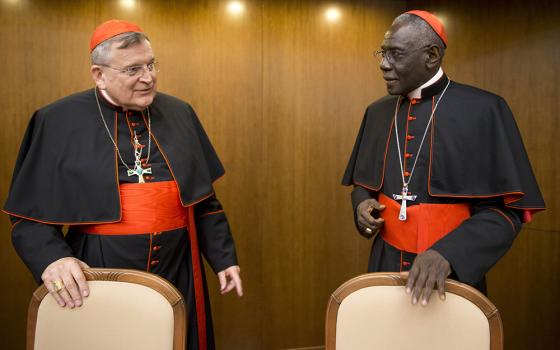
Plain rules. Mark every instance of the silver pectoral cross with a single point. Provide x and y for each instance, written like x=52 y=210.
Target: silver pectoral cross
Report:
x=138 y=170
x=403 y=197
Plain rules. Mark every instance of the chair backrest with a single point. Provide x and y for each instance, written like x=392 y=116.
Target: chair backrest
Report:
x=126 y=309
x=372 y=311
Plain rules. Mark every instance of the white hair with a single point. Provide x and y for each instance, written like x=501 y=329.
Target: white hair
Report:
x=101 y=53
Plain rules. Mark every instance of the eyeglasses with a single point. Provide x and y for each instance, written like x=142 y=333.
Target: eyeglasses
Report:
x=135 y=71
x=394 y=55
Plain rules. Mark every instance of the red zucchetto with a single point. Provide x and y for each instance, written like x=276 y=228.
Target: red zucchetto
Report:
x=433 y=21
x=111 y=28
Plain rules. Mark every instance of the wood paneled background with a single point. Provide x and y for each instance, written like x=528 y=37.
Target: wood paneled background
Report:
x=281 y=92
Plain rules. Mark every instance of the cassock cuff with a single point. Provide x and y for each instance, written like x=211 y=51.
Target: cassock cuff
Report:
x=360 y=194
x=38 y=245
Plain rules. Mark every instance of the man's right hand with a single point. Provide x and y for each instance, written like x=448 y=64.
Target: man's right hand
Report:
x=69 y=271
x=367 y=224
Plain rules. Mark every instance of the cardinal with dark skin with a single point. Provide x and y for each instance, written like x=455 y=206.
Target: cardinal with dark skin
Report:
x=410 y=67
x=406 y=141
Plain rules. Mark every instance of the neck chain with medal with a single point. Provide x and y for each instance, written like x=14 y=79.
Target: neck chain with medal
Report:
x=137 y=170
x=403 y=197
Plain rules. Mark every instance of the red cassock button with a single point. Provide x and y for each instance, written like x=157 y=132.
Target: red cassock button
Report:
x=154 y=262
x=406 y=173
x=156 y=248
x=411 y=117
x=414 y=101
x=408 y=155
x=409 y=137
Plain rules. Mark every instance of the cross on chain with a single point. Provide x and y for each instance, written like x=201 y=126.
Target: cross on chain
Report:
x=403 y=197
x=138 y=170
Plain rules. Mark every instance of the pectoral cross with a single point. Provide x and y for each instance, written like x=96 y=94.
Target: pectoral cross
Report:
x=138 y=170
x=403 y=197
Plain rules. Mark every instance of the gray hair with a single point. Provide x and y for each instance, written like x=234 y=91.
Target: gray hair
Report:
x=101 y=53
x=427 y=34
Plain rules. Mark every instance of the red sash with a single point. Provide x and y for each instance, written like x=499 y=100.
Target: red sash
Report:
x=426 y=223
x=156 y=207
x=146 y=208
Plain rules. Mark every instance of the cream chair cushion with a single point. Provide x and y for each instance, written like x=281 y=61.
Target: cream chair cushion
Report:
x=383 y=318
x=372 y=311
x=126 y=309
x=144 y=323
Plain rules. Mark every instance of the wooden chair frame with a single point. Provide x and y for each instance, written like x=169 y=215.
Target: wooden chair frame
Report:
x=159 y=284
x=394 y=279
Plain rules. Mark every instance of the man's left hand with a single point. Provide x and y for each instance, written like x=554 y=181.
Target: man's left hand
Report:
x=429 y=269
x=229 y=279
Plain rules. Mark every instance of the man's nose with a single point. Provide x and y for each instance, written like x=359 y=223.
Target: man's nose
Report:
x=384 y=64
x=147 y=75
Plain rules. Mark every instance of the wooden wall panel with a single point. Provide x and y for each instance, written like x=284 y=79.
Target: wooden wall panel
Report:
x=318 y=79
x=510 y=48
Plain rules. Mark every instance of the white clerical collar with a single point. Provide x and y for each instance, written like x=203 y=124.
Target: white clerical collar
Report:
x=417 y=93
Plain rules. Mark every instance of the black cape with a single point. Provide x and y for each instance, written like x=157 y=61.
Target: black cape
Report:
x=66 y=172
x=476 y=149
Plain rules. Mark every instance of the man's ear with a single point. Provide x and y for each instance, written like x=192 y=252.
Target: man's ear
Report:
x=434 y=57
x=98 y=77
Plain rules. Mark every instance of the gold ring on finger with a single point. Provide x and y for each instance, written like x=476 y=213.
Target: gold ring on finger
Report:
x=57 y=286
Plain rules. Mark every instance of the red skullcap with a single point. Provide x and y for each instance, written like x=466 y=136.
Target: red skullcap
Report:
x=111 y=28
x=433 y=21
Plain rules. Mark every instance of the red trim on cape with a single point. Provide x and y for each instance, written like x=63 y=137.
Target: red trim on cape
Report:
x=509 y=197
x=57 y=223
x=151 y=134
x=384 y=160
x=211 y=213
x=16 y=223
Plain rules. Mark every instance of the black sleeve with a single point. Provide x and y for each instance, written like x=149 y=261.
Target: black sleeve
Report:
x=480 y=241
x=214 y=235
x=38 y=245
